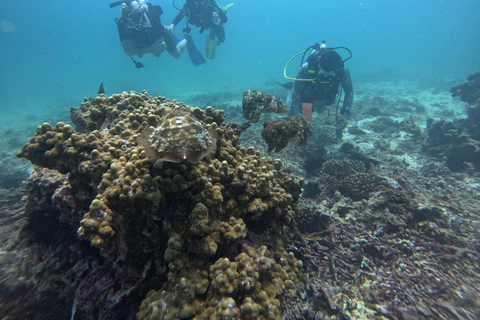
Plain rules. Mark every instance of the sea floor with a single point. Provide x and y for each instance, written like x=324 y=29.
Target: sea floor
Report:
x=366 y=260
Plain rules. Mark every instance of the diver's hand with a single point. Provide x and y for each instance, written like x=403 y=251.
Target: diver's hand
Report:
x=345 y=111
x=216 y=19
x=169 y=28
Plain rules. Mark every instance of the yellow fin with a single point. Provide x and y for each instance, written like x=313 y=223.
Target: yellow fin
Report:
x=211 y=46
x=227 y=6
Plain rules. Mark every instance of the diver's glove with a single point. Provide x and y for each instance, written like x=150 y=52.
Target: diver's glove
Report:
x=169 y=28
x=345 y=111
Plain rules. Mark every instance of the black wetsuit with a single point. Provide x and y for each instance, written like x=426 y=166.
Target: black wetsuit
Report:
x=200 y=15
x=325 y=87
x=146 y=36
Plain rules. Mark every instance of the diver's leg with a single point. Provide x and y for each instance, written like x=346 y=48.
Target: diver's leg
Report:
x=307 y=108
x=179 y=48
x=307 y=99
x=319 y=106
x=220 y=33
x=175 y=50
x=130 y=48
x=157 y=48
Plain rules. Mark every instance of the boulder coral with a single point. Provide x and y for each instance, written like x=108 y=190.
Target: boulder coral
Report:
x=184 y=226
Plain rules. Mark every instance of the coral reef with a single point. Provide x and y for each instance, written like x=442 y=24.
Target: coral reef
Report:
x=449 y=142
x=394 y=254
x=470 y=91
x=398 y=276
x=194 y=218
x=381 y=231
x=457 y=143
x=256 y=278
x=257 y=102
x=349 y=177
x=277 y=133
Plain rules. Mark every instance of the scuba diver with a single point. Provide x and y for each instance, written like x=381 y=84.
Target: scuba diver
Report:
x=141 y=31
x=205 y=14
x=318 y=82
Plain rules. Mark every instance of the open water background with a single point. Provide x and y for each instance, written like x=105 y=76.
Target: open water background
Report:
x=54 y=53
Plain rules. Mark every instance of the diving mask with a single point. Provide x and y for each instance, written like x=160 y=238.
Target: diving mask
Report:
x=136 y=14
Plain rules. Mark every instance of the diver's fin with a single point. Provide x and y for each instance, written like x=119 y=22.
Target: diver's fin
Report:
x=288 y=85
x=101 y=89
x=227 y=6
x=117 y=3
x=138 y=64
x=211 y=45
x=195 y=55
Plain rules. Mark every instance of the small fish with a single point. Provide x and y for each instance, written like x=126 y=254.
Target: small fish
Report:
x=101 y=89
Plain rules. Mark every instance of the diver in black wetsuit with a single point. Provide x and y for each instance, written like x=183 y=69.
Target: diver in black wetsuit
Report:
x=141 y=31
x=205 y=14
x=317 y=85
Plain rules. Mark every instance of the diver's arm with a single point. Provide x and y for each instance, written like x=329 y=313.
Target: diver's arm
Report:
x=299 y=85
x=221 y=14
x=348 y=88
x=294 y=99
x=177 y=19
x=155 y=11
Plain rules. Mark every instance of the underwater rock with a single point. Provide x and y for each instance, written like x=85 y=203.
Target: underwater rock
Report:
x=384 y=124
x=180 y=136
x=471 y=123
x=470 y=91
x=257 y=102
x=409 y=125
x=277 y=133
x=458 y=142
x=449 y=142
x=350 y=178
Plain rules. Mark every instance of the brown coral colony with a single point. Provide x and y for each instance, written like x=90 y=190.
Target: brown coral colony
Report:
x=218 y=190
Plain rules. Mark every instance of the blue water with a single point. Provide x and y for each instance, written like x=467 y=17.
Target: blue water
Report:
x=54 y=53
